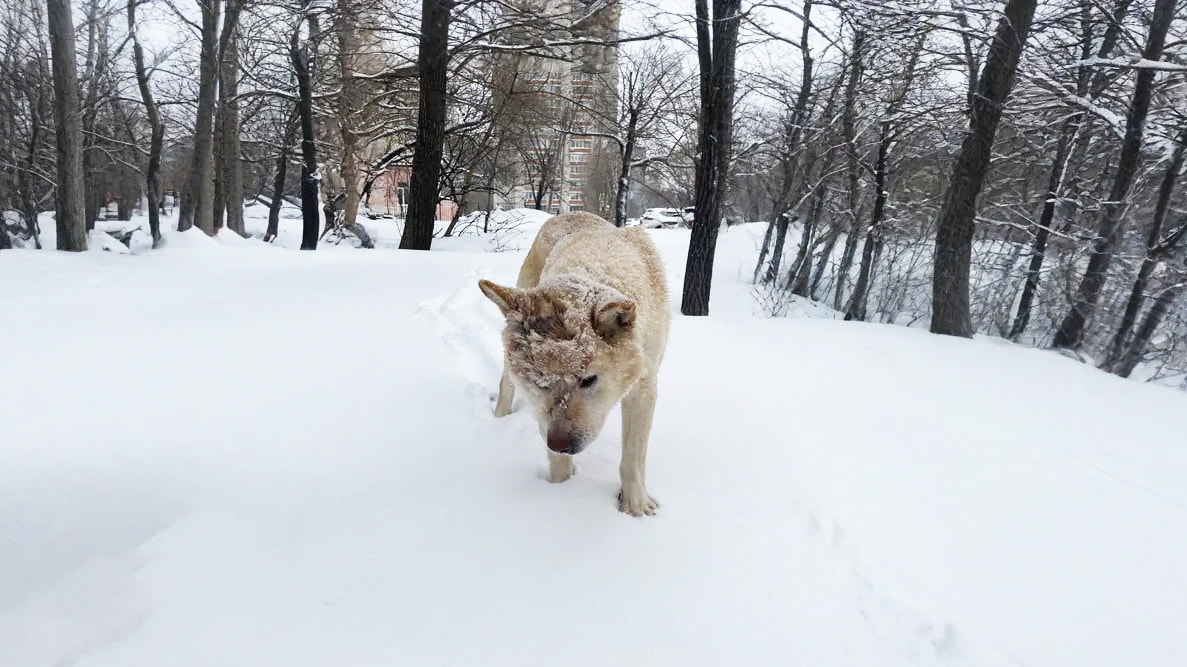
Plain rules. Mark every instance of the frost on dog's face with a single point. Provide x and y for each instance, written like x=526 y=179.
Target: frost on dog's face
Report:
x=570 y=346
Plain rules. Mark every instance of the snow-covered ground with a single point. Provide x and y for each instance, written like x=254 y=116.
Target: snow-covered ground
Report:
x=227 y=453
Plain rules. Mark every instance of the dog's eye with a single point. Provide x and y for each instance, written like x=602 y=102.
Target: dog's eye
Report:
x=587 y=382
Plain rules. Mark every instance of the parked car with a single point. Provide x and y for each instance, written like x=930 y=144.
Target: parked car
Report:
x=688 y=214
x=666 y=218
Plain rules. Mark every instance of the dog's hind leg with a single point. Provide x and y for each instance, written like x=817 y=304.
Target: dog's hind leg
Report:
x=506 y=395
x=637 y=410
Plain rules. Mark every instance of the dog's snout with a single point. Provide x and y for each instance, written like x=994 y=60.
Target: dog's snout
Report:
x=559 y=442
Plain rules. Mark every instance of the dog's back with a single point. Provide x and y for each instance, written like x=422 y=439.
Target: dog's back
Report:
x=553 y=232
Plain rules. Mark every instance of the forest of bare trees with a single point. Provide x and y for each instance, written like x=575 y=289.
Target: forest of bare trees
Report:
x=1009 y=169
x=1012 y=169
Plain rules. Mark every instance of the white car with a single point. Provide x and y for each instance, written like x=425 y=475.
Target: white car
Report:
x=661 y=217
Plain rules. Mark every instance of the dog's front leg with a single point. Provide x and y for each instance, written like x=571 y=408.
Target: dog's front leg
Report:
x=506 y=394
x=637 y=410
x=560 y=467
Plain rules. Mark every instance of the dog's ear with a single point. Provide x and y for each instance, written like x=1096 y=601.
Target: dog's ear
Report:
x=506 y=298
x=614 y=318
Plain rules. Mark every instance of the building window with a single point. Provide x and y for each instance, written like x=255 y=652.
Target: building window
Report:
x=577 y=185
x=581 y=144
x=576 y=195
x=578 y=158
x=576 y=170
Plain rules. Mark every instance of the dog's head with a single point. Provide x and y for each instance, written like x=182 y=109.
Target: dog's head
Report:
x=570 y=345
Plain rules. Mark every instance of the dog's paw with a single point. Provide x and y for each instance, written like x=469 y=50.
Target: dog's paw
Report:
x=637 y=504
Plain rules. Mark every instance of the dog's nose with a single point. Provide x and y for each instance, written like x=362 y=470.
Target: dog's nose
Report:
x=561 y=443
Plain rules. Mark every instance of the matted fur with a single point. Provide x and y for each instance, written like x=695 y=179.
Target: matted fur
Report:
x=552 y=334
x=586 y=328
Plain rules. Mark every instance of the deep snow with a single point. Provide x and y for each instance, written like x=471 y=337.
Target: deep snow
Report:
x=226 y=453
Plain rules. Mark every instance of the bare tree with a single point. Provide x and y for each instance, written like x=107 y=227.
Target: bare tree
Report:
x=152 y=173
x=71 y=222
x=26 y=119
x=1157 y=249
x=792 y=133
x=650 y=85
x=310 y=210
x=1068 y=133
x=717 y=44
x=197 y=197
x=287 y=136
x=954 y=230
x=351 y=101
x=1071 y=330
x=227 y=152
x=889 y=127
x=433 y=63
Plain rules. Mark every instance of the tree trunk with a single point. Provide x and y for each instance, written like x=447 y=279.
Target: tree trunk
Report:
x=197 y=205
x=807 y=235
x=624 y=169
x=801 y=273
x=287 y=138
x=1141 y=340
x=282 y=164
x=229 y=143
x=457 y=214
x=1071 y=330
x=766 y=246
x=856 y=309
x=37 y=100
x=954 y=229
x=218 y=204
x=818 y=273
x=424 y=187
x=717 y=44
x=1043 y=232
x=310 y=208
x=157 y=129
x=349 y=103
x=71 y=224
x=848 y=125
x=1153 y=257
x=93 y=68
x=782 y=223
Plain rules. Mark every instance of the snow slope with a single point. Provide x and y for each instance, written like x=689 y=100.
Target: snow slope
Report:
x=227 y=453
